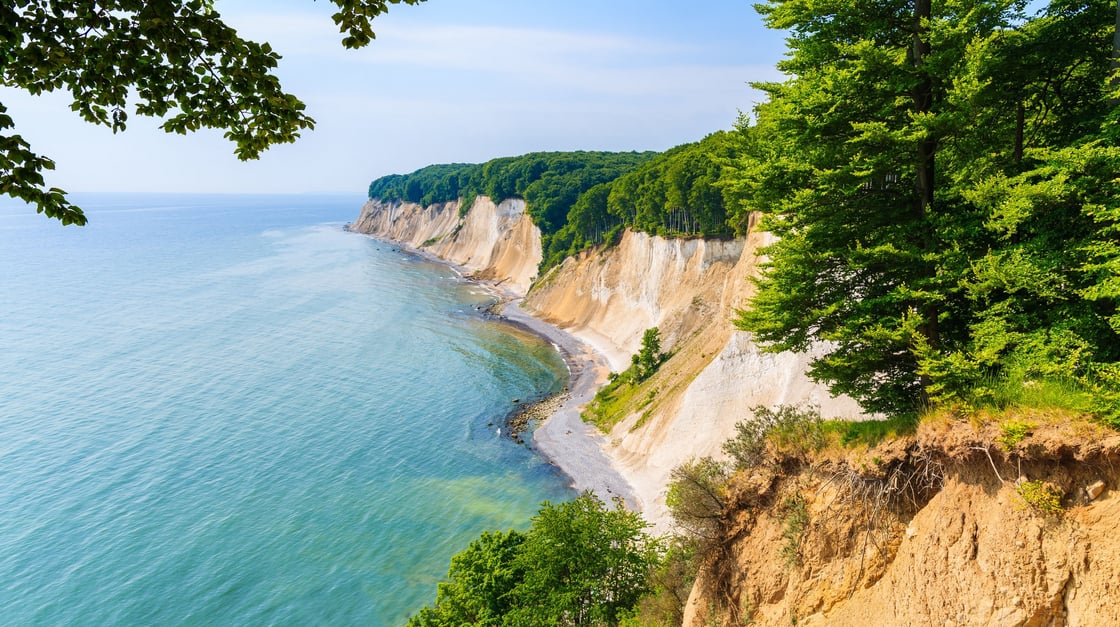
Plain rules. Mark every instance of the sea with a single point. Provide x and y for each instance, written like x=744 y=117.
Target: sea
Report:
x=228 y=410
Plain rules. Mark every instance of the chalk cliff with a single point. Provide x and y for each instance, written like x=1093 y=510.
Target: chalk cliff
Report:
x=495 y=242
x=689 y=289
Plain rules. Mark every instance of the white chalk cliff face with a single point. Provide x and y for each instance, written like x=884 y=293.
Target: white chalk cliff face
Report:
x=497 y=243
x=689 y=289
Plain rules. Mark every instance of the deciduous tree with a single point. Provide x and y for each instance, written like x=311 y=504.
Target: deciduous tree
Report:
x=171 y=59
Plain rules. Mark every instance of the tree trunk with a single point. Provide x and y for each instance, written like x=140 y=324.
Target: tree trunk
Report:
x=1020 y=122
x=922 y=96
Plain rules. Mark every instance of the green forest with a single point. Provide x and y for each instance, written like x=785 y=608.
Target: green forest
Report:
x=581 y=199
x=945 y=183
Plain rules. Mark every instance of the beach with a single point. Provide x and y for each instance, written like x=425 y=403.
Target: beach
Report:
x=574 y=446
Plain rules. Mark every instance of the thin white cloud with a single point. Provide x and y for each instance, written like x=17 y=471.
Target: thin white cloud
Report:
x=421 y=93
x=442 y=46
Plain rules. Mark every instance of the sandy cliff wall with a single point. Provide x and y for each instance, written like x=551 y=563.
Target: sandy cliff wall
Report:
x=492 y=242
x=933 y=533
x=690 y=290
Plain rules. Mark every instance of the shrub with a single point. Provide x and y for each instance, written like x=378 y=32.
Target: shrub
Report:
x=1013 y=432
x=1042 y=496
x=791 y=428
x=795 y=518
x=697 y=496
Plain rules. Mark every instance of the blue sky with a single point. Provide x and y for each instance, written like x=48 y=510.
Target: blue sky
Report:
x=448 y=80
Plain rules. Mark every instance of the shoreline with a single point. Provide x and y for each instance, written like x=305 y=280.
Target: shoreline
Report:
x=565 y=440
x=574 y=446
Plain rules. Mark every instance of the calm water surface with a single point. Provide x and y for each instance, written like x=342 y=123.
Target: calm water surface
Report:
x=227 y=410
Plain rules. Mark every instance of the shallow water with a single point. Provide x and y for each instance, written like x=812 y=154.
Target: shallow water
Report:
x=227 y=410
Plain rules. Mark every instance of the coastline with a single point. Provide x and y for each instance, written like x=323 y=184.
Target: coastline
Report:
x=573 y=446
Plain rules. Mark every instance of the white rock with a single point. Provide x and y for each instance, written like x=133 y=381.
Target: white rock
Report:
x=1093 y=490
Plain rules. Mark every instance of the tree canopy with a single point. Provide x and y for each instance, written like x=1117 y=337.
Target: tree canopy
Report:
x=550 y=182
x=581 y=199
x=943 y=179
x=170 y=59
x=579 y=563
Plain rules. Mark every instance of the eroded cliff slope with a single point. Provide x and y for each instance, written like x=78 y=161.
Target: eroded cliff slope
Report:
x=947 y=527
x=690 y=290
x=495 y=242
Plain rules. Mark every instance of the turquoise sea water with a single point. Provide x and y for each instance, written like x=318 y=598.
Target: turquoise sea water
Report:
x=225 y=410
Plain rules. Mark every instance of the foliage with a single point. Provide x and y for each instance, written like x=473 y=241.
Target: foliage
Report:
x=954 y=222
x=550 y=182
x=678 y=193
x=580 y=562
x=615 y=400
x=697 y=497
x=795 y=519
x=480 y=583
x=649 y=357
x=1042 y=496
x=1013 y=432
x=582 y=199
x=171 y=59
x=791 y=428
x=584 y=564
x=671 y=584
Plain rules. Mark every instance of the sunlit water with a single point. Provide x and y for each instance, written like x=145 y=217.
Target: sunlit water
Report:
x=227 y=410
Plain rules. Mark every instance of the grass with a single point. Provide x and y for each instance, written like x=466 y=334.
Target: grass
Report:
x=1017 y=390
x=869 y=432
x=1014 y=431
x=614 y=402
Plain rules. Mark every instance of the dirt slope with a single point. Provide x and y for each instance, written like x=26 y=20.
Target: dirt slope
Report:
x=956 y=544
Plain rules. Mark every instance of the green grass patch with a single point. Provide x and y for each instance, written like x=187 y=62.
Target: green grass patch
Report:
x=1022 y=392
x=870 y=432
x=1013 y=432
x=615 y=401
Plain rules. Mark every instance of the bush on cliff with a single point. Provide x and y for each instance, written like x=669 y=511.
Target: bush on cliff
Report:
x=580 y=562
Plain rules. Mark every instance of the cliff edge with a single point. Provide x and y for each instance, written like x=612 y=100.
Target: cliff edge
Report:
x=946 y=527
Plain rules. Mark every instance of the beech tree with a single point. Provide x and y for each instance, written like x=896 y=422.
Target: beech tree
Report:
x=170 y=59
x=913 y=169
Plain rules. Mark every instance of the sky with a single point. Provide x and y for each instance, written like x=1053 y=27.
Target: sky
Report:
x=444 y=81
